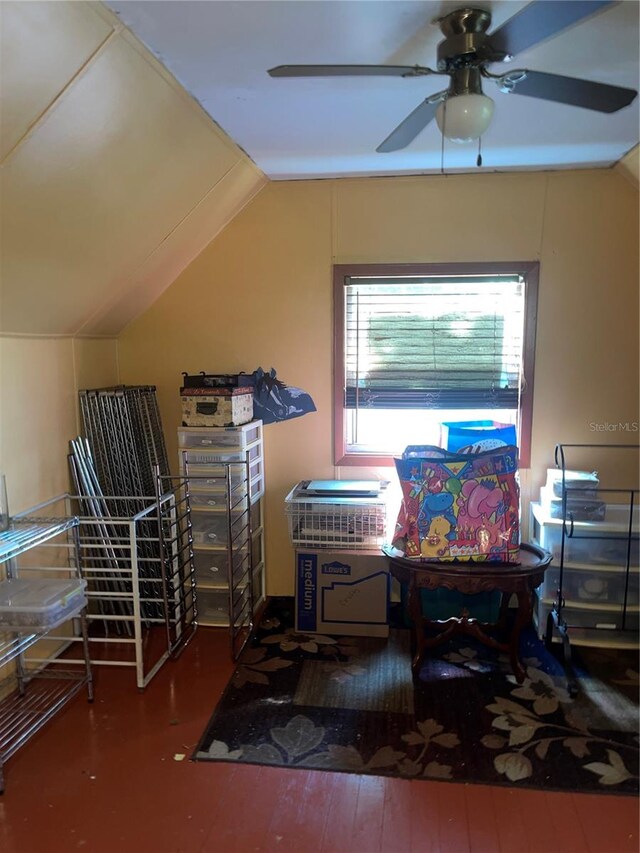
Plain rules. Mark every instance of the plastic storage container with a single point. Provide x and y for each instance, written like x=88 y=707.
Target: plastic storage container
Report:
x=585 y=481
x=214 y=478
x=586 y=586
x=582 y=504
x=594 y=543
x=212 y=567
x=213 y=605
x=479 y=435
x=29 y=605
x=204 y=496
x=202 y=456
x=239 y=437
x=596 y=617
x=212 y=529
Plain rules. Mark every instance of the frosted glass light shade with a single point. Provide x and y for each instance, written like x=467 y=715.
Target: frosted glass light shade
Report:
x=465 y=117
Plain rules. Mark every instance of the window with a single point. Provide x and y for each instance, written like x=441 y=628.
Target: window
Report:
x=416 y=345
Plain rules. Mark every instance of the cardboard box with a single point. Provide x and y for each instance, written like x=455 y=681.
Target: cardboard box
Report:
x=342 y=593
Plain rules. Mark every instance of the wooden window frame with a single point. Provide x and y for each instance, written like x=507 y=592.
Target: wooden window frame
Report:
x=530 y=272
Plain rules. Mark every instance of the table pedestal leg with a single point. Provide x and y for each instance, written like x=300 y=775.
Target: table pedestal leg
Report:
x=503 y=616
x=523 y=617
x=417 y=629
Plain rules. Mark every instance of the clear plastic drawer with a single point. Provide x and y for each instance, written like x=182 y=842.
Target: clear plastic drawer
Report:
x=202 y=456
x=212 y=567
x=601 y=618
x=220 y=437
x=213 y=607
x=591 y=586
x=256 y=515
x=210 y=528
x=202 y=495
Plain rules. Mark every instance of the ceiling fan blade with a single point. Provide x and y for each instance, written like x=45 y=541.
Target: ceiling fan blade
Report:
x=349 y=71
x=538 y=21
x=578 y=93
x=408 y=129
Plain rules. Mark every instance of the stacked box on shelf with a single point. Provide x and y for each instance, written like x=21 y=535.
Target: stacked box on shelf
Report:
x=600 y=574
x=203 y=453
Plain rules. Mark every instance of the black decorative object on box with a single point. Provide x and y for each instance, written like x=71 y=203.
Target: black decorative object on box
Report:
x=274 y=400
x=215 y=380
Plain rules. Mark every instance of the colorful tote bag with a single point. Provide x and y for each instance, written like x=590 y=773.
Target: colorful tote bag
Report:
x=459 y=506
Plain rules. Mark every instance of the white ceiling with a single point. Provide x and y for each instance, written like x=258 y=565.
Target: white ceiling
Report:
x=325 y=127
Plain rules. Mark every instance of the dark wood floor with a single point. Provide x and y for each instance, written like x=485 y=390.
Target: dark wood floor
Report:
x=103 y=779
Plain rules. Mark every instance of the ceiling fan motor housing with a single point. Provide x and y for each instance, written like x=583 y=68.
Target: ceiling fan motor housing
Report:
x=466 y=42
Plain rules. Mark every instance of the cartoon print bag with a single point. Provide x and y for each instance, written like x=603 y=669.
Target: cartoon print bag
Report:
x=459 y=506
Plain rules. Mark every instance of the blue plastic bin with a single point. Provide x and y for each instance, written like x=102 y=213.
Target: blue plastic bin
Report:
x=459 y=434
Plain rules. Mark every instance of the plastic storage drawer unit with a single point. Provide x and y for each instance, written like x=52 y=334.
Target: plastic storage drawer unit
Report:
x=39 y=604
x=212 y=457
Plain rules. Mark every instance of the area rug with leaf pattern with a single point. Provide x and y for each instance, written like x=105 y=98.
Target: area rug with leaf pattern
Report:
x=350 y=704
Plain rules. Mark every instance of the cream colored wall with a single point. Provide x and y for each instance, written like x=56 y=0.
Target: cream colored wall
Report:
x=113 y=177
x=261 y=295
x=39 y=381
x=629 y=166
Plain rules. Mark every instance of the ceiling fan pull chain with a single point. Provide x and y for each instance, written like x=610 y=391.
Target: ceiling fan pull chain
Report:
x=479 y=160
x=444 y=124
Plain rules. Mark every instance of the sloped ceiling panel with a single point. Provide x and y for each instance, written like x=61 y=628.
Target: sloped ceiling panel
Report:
x=182 y=246
x=42 y=47
x=111 y=172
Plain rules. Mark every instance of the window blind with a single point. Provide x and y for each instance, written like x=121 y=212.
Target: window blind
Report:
x=453 y=342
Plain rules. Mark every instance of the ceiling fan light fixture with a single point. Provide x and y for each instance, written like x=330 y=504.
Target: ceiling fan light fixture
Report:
x=462 y=118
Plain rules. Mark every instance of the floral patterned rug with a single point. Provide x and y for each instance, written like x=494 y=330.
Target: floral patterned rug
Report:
x=349 y=704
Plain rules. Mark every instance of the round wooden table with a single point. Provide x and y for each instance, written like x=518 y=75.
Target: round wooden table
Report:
x=469 y=578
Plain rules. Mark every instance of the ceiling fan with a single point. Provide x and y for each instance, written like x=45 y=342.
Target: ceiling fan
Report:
x=462 y=111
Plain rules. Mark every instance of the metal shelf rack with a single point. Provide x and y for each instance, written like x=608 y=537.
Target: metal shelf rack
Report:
x=139 y=570
x=42 y=688
x=602 y=629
